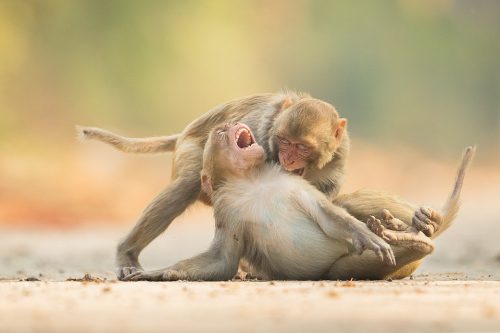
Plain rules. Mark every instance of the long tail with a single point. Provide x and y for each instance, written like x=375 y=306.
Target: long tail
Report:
x=450 y=208
x=151 y=145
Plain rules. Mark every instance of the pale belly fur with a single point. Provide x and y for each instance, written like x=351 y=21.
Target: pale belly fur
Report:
x=294 y=245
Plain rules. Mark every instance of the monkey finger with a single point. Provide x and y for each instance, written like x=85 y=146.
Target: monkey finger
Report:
x=125 y=271
x=133 y=277
x=358 y=246
x=119 y=274
x=391 y=259
x=145 y=276
x=379 y=254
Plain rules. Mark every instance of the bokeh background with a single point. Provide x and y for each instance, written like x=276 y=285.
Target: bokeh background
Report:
x=418 y=81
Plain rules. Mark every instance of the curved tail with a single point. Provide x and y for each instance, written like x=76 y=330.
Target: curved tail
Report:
x=450 y=208
x=151 y=145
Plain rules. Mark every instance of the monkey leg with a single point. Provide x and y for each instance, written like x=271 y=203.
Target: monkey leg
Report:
x=158 y=215
x=409 y=247
x=365 y=203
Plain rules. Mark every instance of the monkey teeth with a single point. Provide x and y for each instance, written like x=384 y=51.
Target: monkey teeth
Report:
x=244 y=138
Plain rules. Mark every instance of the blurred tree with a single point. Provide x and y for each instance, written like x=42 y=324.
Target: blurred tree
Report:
x=422 y=72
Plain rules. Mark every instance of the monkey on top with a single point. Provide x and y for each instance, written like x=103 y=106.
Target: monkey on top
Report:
x=304 y=135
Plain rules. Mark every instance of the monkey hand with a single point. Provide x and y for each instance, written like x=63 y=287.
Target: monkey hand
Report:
x=159 y=275
x=123 y=272
x=366 y=240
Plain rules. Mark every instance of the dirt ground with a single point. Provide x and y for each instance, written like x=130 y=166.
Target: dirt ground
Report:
x=413 y=306
x=457 y=289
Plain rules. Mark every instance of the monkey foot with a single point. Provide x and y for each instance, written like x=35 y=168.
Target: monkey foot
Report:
x=378 y=228
x=392 y=223
x=406 y=239
x=427 y=220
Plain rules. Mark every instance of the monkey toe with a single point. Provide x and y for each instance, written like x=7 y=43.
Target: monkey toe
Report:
x=432 y=214
x=375 y=225
x=426 y=220
x=392 y=223
x=386 y=214
x=423 y=225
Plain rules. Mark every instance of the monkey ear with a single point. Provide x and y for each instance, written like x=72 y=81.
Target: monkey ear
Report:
x=339 y=130
x=206 y=183
x=287 y=102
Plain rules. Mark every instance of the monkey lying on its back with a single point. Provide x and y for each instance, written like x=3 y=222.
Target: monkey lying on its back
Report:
x=283 y=226
x=280 y=223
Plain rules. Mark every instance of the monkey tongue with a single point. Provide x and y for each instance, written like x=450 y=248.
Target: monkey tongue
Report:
x=244 y=139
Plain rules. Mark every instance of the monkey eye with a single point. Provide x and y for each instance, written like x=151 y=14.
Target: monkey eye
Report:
x=221 y=131
x=283 y=141
x=302 y=147
x=221 y=135
x=304 y=150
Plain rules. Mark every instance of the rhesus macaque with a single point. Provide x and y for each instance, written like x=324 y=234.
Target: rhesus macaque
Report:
x=286 y=229
x=305 y=134
x=279 y=222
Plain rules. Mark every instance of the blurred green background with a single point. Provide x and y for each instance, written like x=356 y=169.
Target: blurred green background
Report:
x=413 y=76
x=422 y=73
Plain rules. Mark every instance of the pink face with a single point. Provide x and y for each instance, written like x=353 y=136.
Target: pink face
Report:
x=293 y=155
x=242 y=151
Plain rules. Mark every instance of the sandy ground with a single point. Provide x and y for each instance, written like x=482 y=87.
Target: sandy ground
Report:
x=457 y=289
x=413 y=306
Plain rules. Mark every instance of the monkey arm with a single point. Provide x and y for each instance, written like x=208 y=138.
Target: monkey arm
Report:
x=362 y=238
x=219 y=262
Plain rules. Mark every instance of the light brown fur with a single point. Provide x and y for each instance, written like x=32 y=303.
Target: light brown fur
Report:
x=260 y=113
x=263 y=231
x=401 y=220
x=295 y=234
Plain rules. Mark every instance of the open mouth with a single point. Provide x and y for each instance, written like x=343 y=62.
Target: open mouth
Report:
x=244 y=138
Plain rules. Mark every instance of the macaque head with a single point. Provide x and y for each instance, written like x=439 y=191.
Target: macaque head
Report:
x=230 y=151
x=306 y=134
